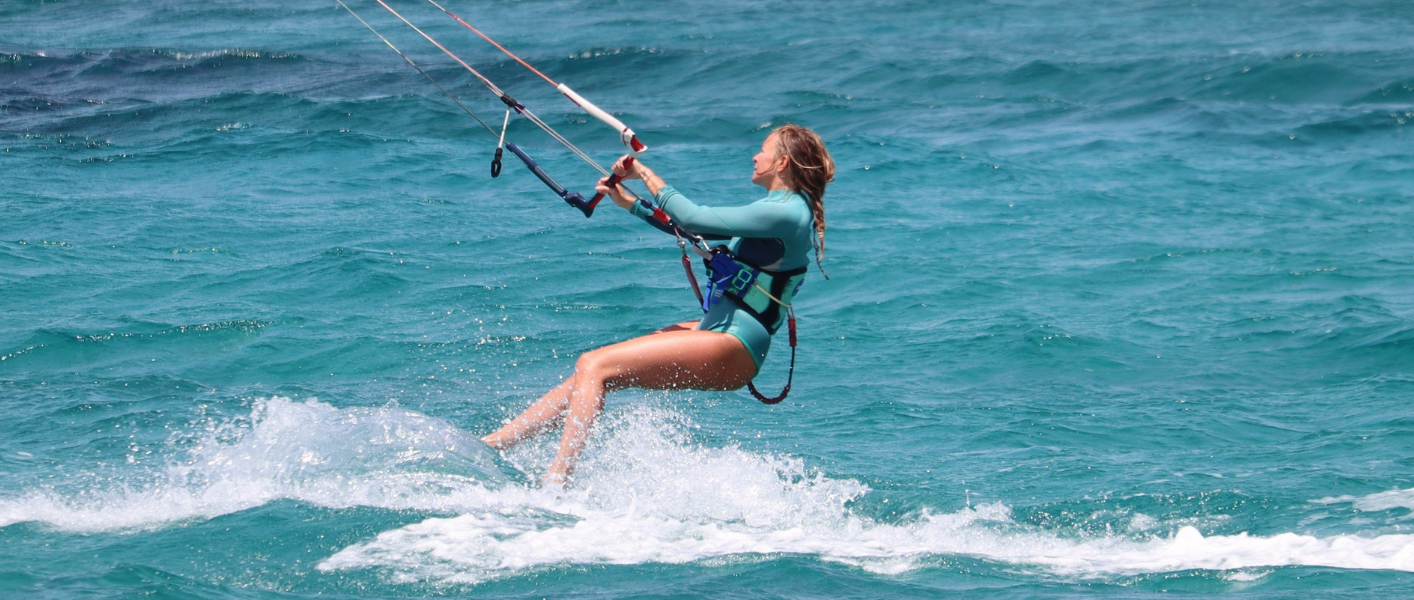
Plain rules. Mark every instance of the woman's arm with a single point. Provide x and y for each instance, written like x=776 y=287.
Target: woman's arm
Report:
x=760 y=220
x=650 y=179
x=756 y=220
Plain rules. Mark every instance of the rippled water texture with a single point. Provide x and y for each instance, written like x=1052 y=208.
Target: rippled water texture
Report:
x=1120 y=302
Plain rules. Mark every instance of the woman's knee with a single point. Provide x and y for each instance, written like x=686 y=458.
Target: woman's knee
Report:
x=585 y=365
x=591 y=365
x=602 y=368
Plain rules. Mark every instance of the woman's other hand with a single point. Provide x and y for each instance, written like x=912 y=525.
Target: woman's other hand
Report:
x=617 y=193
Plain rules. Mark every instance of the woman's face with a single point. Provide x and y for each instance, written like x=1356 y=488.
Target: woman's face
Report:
x=769 y=164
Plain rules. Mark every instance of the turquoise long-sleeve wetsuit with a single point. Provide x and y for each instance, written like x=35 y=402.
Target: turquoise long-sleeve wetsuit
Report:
x=774 y=233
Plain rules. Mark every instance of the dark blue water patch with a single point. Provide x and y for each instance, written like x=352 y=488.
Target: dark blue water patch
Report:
x=42 y=64
x=151 y=75
x=1036 y=73
x=31 y=106
x=142 y=68
x=1394 y=340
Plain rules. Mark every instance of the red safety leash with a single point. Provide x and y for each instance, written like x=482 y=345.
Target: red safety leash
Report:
x=687 y=266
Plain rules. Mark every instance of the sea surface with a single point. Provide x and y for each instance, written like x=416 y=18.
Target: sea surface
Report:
x=1121 y=302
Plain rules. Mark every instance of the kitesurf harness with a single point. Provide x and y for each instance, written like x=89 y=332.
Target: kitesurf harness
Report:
x=762 y=293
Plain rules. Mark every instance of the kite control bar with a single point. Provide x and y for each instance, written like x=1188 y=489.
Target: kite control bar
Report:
x=660 y=219
x=572 y=198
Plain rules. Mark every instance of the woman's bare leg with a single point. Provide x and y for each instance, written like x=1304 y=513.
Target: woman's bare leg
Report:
x=544 y=414
x=550 y=409
x=667 y=359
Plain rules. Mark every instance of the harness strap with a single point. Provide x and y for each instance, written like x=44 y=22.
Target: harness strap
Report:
x=731 y=269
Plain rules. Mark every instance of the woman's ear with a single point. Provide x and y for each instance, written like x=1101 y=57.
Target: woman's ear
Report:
x=782 y=162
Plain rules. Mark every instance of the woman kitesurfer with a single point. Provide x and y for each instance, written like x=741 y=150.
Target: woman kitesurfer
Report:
x=725 y=349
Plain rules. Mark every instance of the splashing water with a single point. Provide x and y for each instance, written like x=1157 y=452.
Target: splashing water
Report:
x=648 y=494
x=306 y=451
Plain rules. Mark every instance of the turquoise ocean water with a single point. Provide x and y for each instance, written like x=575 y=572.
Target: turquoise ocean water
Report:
x=1122 y=302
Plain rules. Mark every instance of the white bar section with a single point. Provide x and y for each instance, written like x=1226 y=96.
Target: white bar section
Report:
x=625 y=134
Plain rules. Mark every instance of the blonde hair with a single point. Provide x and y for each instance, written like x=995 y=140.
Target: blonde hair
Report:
x=809 y=169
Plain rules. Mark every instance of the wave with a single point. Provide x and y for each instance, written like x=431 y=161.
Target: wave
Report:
x=1397 y=92
x=284 y=450
x=1367 y=121
x=51 y=348
x=476 y=547
x=646 y=493
x=47 y=87
x=651 y=496
x=1376 y=502
x=133 y=60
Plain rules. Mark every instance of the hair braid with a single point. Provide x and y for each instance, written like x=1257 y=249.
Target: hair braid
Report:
x=809 y=170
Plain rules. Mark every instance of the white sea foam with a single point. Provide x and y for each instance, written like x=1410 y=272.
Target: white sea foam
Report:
x=1375 y=502
x=648 y=492
x=476 y=547
x=233 y=52
x=307 y=451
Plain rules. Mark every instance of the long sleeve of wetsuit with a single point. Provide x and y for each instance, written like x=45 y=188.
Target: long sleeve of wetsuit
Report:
x=756 y=220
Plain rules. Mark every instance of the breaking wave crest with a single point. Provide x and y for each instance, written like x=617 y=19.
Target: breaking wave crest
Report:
x=647 y=492
x=1379 y=501
x=284 y=450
